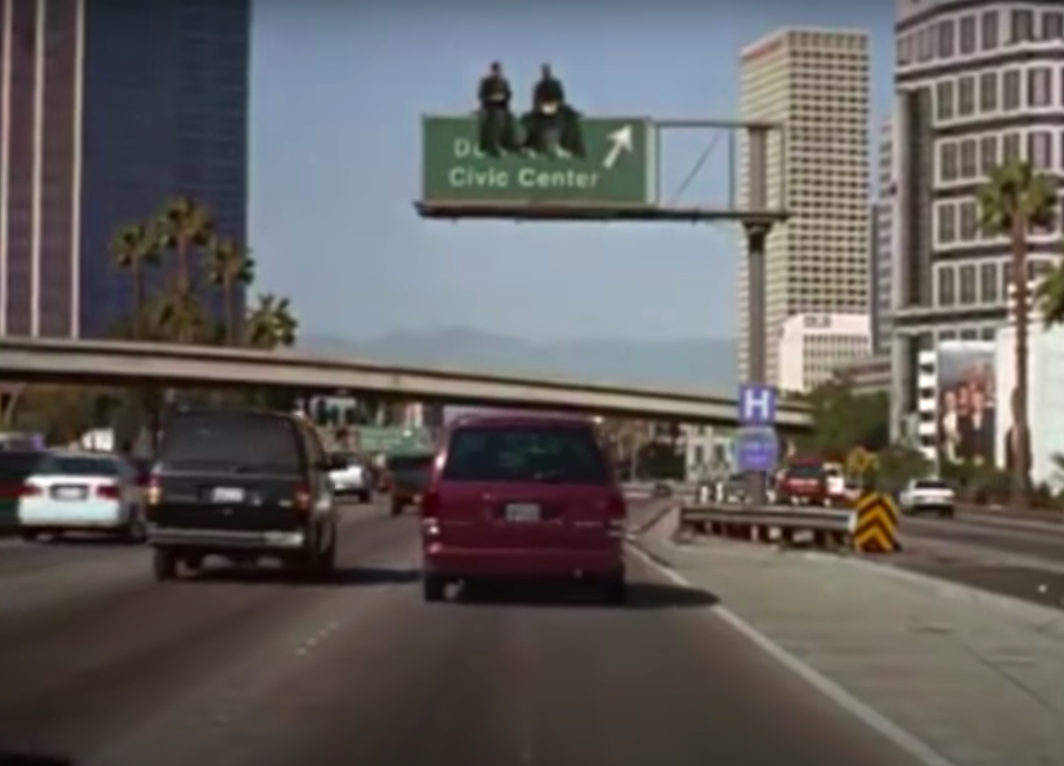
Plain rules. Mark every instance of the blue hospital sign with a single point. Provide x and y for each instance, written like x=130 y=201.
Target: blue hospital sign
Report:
x=757 y=404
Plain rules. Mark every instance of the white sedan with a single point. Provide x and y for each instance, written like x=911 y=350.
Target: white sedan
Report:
x=928 y=496
x=352 y=479
x=81 y=492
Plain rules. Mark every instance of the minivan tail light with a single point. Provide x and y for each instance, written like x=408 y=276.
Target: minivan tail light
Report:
x=430 y=512
x=107 y=492
x=301 y=498
x=154 y=492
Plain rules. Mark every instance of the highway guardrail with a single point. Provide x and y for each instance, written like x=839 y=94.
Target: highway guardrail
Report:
x=869 y=527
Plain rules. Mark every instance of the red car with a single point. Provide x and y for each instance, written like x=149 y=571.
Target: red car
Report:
x=523 y=496
x=803 y=483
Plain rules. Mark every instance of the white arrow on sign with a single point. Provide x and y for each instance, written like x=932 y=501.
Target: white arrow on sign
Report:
x=620 y=141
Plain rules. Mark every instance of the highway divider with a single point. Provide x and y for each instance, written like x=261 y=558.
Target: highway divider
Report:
x=869 y=527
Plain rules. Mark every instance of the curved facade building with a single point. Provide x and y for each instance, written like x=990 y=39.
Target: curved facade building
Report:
x=977 y=82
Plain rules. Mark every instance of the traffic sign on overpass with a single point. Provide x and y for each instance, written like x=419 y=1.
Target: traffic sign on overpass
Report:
x=616 y=168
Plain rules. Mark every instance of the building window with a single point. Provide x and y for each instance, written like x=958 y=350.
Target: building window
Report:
x=990 y=35
x=1052 y=25
x=967 y=34
x=926 y=44
x=947 y=223
x=947 y=287
x=969 y=166
x=967 y=280
x=987 y=154
x=945 y=39
x=944 y=100
x=969 y=222
x=946 y=335
x=969 y=333
x=1022 y=27
x=905 y=50
x=1010 y=83
x=988 y=333
x=1040 y=86
x=966 y=96
x=1040 y=149
x=1010 y=147
x=949 y=161
x=988 y=92
x=988 y=278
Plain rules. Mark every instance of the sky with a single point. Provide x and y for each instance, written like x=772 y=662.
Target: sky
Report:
x=338 y=89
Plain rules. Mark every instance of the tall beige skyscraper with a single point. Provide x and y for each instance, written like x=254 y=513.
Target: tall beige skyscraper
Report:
x=816 y=82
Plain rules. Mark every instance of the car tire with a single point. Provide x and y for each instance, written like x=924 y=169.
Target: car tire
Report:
x=29 y=535
x=397 y=509
x=615 y=590
x=365 y=498
x=433 y=588
x=164 y=565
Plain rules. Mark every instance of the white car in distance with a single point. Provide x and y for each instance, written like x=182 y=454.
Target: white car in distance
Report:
x=353 y=479
x=928 y=496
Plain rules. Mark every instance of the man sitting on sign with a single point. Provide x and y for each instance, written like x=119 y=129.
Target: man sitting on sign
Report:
x=496 y=122
x=552 y=127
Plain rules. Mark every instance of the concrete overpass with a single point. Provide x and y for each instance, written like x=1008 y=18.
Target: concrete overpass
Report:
x=123 y=363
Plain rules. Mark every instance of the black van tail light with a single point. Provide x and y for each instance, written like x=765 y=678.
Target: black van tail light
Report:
x=154 y=493
x=301 y=498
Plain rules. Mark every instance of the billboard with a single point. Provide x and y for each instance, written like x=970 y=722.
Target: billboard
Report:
x=966 y=403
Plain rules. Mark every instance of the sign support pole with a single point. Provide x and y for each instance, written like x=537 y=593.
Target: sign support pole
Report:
x=756 y=234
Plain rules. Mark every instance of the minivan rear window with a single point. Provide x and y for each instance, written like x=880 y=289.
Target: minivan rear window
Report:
x=560 y=455
x=234 y=440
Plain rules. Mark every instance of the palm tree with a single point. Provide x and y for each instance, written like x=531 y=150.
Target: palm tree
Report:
x=1050 y=296
x=1014 y=201
x=178 y=315
x=183 y=226
x=270 y=323
x=229 y=264
x=134 y=248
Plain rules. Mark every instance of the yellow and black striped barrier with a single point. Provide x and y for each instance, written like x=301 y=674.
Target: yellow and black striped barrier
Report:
x=876 y=528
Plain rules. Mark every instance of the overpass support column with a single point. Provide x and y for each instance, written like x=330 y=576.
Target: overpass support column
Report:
x=756 y=236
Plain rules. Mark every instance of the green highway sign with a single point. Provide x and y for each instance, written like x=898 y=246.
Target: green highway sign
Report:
x=616 y=168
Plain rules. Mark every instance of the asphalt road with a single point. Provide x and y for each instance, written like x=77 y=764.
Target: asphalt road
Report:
x=1024 y=560
x=99 y=666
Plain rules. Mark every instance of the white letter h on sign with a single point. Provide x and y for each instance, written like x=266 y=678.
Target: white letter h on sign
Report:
x=758 y=404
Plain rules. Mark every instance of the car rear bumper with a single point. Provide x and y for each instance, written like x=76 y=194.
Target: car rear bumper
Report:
x=438 y=559
x=219 y=539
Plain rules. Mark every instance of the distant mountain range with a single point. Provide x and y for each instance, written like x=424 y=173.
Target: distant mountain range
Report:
x=697 y=364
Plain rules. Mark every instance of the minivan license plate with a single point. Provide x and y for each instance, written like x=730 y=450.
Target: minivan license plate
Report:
x=228 y=495
x=522 y=512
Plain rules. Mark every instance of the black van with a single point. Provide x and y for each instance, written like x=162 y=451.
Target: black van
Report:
x=243 y=484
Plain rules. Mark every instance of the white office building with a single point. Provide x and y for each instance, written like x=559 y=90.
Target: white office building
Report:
x=817 y=82
x=708 y=453
x=813 y=346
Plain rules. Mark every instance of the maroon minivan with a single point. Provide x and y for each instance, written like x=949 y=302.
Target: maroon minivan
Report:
x=523 y=496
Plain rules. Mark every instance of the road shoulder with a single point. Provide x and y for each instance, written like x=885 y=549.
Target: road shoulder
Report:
x=974 y=684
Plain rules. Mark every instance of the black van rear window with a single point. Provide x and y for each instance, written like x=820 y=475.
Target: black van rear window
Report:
x=234 y=440
x=561 y=455
x=16 y=466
